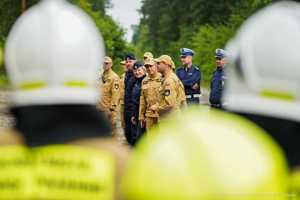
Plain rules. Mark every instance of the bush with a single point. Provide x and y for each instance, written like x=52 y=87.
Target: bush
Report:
x=205 y=41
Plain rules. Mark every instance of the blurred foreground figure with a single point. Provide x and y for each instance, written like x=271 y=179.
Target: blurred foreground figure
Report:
x=204 y=155
x=62 y=146
x=264 y=77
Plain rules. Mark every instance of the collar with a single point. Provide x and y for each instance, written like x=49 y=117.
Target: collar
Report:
x=156 y=77
x=58 y=124
x=167 y=74
x=220 y=68
x=187 y=68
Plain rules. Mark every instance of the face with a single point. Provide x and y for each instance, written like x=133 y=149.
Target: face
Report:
x=129 y=64
x=140 y=72
x=220 y=62
x=161 y=67
x=151 y=69
x=186 y=60
x=107 y=65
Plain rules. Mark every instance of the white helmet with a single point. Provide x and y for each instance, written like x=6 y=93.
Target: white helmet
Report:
x=53 y=55
x=264 y=71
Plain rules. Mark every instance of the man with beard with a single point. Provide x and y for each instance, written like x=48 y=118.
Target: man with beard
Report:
x=129 y=83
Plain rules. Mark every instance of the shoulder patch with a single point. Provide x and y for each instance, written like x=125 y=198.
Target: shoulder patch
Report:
x=167 y=93
x=116 y=86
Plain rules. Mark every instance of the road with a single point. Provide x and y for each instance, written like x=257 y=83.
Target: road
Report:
x=6 y=120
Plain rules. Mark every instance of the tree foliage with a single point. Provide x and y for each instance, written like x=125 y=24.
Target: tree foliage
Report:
x=168 y=25
x=112 y=33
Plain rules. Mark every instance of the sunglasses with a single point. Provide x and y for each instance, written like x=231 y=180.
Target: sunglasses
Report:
x=182 y=56
x=218 y=58
x=148 y=66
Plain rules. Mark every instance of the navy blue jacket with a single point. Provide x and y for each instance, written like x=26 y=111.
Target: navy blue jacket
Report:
x=216 y=86
x=135 y=97
x=189 y=78
x=129 y=82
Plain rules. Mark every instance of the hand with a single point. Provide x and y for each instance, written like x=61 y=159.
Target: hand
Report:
x=133 y=121
x=143 y=123
x=154 y=107
x=195 y=87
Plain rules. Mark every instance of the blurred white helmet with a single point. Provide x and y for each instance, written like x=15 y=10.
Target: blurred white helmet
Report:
x=264 y=71
x=53 y=55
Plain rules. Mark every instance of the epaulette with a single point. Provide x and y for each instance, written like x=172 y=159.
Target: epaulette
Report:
x=196 y=67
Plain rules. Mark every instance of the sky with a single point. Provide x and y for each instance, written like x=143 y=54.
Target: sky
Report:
x=126 y=14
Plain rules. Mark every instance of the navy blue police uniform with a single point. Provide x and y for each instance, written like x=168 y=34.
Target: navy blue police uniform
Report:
x=189 y=77
x=136 y=129
x=217 y=83
x=129 y=82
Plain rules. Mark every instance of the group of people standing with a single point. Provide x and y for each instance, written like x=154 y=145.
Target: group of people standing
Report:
x=149 y=90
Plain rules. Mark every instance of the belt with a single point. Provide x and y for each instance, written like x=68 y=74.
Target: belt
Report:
x=191 y=96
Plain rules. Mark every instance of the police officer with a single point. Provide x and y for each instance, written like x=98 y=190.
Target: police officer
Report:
x=129 y=83
x=110 y=90
x=147 y=55
x=218 y=80
x=190 y=75
x=63 y=147
x=150 y=95
x=171 y=90
x=140 y=74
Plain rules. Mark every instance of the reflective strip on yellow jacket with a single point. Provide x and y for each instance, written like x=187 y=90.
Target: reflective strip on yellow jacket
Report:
x=56 y=172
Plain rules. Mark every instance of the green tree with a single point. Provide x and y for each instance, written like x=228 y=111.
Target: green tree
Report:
x=168 y=25
x=10 y=10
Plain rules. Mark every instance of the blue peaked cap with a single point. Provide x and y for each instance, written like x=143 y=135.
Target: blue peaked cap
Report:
x=220 y=53
x=186 y=52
